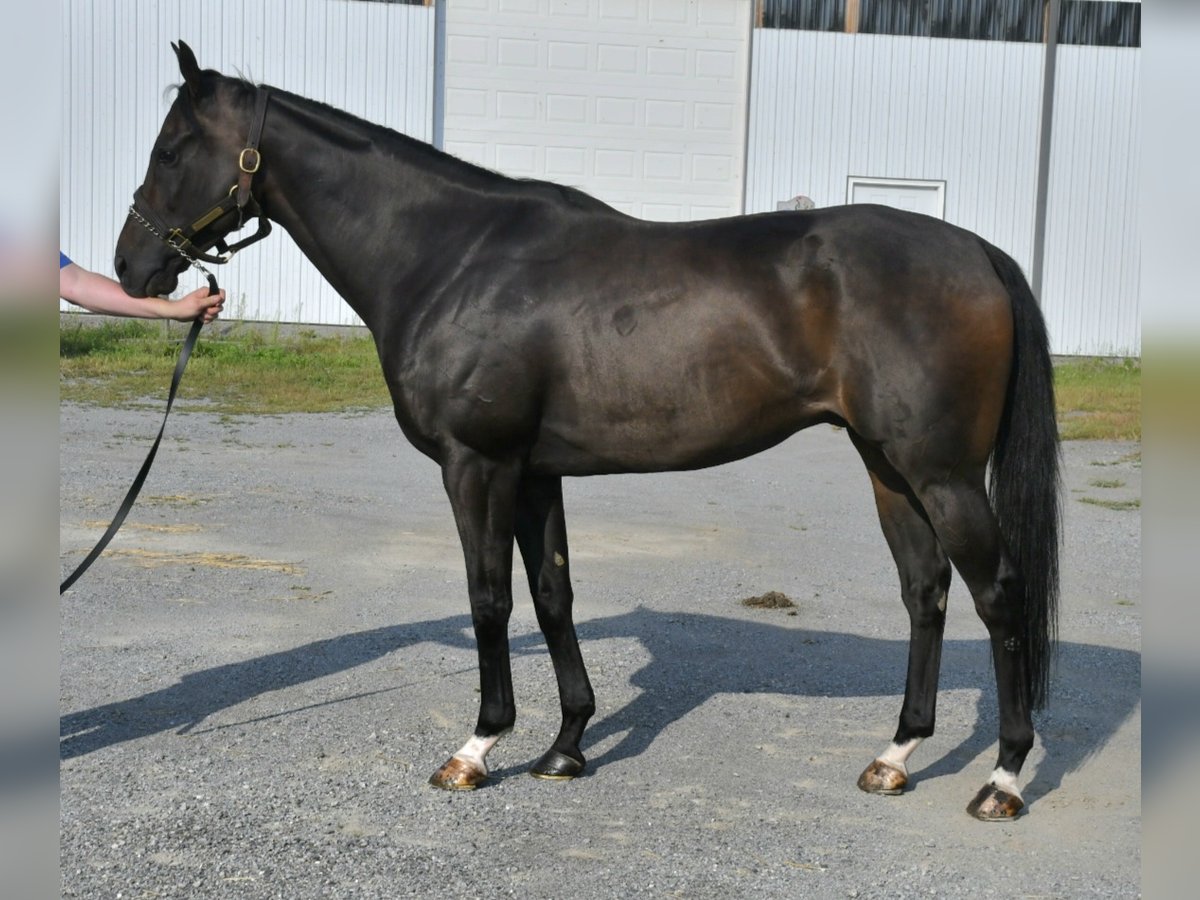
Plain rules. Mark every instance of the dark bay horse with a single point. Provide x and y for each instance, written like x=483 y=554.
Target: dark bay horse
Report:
x=528 y=332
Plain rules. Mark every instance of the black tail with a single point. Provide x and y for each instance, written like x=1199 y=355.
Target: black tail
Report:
x=1025 y=480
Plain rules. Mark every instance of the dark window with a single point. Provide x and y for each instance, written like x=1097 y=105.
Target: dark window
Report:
x=1104 y=24
x=907 y=17
x=805 y=15
x=1010 y=20
x=1110 y=24
x=980 y=20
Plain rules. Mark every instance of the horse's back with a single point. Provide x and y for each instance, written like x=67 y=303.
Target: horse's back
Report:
x=605 y=343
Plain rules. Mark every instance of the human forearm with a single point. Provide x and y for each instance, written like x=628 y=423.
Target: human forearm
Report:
x=100 y=294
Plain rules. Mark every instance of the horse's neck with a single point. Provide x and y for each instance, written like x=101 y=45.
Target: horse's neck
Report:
x=365 y=216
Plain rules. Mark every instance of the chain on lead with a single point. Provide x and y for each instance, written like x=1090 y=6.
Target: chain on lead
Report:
x=174 y=245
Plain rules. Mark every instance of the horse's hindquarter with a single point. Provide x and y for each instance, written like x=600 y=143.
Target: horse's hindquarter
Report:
x=925 y=335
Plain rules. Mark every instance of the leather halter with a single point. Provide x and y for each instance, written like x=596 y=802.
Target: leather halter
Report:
x=229 y=214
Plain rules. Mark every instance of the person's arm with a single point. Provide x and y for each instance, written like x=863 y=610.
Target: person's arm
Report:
x=100 y=294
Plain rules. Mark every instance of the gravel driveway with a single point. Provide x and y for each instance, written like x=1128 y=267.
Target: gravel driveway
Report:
x=259 y=677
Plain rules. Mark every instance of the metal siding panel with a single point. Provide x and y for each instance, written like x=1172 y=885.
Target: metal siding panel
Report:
x=1091 y=290
x=1129 y=312
x=842 y=132
x=784 y=155
x=916 y=108
x=114 y=102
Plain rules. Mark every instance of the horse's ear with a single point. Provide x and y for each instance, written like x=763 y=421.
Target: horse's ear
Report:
x=189 y=68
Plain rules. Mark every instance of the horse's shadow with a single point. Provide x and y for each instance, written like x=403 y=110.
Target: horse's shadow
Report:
x=693 y=658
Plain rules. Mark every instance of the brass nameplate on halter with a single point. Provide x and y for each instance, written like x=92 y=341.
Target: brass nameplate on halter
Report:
x=208 y=218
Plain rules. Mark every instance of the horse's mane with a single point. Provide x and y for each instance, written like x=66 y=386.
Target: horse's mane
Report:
x=357 y=134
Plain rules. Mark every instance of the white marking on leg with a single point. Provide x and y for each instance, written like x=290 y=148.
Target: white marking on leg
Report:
x=942 y=602
x=897 y=754
x=475 y=751
x=1006 y=781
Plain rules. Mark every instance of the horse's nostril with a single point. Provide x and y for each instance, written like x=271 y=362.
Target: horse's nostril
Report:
x=120 y=265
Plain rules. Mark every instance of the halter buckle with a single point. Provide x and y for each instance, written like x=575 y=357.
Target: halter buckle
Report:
x=249 y=167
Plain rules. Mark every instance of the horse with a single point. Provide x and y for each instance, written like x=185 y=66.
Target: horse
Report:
x=529 y=332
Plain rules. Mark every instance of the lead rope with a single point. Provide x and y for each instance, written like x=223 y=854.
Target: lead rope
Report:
x=184 y=355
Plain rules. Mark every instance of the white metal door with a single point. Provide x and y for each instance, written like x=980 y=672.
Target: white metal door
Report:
x=928 y=197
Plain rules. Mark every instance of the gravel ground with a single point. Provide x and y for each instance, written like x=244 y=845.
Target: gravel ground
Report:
x=259 y=677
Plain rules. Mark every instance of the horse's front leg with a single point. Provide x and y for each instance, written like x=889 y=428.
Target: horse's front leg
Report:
x=542 y=536
x=483 y=494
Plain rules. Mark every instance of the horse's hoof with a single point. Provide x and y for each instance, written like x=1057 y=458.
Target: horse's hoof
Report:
x=994 y=805
x=555 y=766
x=881 y=778
x=458 y=775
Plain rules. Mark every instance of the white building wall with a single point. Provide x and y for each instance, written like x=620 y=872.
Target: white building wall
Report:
x=372 y=59
x=641 y=103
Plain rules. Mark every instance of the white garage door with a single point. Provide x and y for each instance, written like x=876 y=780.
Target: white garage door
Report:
x=639 y=102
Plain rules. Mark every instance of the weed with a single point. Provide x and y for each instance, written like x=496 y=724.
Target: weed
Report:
x=1120 y=505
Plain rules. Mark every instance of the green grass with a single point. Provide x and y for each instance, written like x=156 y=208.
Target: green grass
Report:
x=241 y=372
x=1099 y=399
x=245 y=372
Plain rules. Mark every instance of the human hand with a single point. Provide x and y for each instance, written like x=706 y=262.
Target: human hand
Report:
x=199 y=303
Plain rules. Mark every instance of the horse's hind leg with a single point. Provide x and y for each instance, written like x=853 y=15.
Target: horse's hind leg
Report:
x=482 y=494
x=924 y=583
x=542 y=536
x=967 y=529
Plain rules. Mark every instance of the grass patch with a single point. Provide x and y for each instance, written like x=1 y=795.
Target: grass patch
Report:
x=1099 y=399
x=1106 y=483
x=240 y=372
x=1119 y=505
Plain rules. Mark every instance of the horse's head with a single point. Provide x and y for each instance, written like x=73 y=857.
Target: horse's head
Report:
x=196 y=159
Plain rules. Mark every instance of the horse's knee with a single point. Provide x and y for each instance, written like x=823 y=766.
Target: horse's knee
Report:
x=925 y=595
x=490 y=609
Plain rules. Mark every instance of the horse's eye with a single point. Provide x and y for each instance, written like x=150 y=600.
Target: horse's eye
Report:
x=167 y=157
